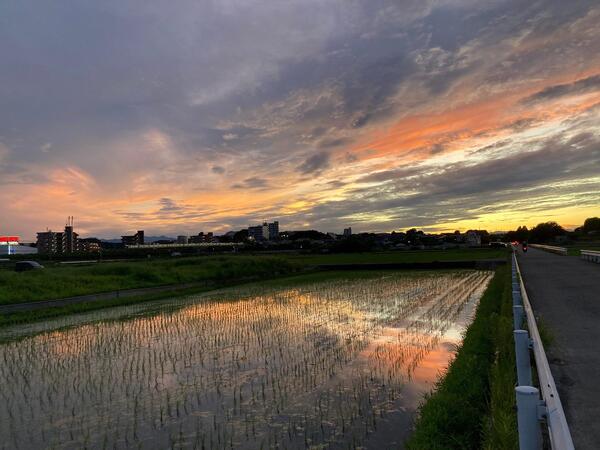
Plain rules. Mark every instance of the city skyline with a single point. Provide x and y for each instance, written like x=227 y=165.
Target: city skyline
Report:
x=195 y=235
x=327 y=114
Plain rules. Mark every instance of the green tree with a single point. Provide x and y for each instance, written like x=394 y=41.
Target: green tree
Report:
x=591 y=224
x=546 y=232
x=520 y=234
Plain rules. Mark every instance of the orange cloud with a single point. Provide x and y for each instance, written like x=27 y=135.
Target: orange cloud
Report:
x=411 y=138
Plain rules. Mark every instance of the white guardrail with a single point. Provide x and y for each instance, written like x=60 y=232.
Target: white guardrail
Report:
x=550 y=248
x=531 y=409
x=590 y=255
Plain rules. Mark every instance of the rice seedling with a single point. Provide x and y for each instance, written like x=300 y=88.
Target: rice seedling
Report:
x=334 y=363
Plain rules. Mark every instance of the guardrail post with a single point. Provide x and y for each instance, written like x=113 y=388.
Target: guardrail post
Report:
x=590 y=255
x=516 y=297
x=523 y=360
x=517 y=317
x=527 y=418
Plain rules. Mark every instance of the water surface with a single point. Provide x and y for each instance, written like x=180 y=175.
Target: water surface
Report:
x=332 y=364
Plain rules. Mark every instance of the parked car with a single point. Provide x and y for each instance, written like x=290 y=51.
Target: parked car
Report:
x=23 y=266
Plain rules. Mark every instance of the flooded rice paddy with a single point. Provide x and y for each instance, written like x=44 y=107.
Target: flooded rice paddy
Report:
x=332 y=364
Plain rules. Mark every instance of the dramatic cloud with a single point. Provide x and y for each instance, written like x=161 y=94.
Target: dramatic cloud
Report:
x=252 y=183
x=323 y=113
x=314 y=164
x=585 y=85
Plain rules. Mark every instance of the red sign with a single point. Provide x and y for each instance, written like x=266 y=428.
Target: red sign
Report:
x=9 y=238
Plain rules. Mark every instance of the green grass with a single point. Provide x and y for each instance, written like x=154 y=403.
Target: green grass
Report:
x=61 y=281
x=402 y=256
x=280 y=281
x=573 y=250
x=473 y=405
x=66 y=281
x=545 y=333
x=48 y=313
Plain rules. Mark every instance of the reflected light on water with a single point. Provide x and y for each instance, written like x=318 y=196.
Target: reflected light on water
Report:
x=331 y=364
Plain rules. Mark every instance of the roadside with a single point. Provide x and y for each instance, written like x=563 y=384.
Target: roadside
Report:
x=565 y=294
x=473 y=405
x=60 y=281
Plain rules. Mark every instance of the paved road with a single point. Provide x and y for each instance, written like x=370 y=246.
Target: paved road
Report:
x=565 y=294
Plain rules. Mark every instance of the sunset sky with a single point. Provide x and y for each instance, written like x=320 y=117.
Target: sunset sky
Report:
x=193 y=115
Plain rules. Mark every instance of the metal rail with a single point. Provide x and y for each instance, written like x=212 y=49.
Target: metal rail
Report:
x=551 y=248
x=590 y=255
x=531 y=410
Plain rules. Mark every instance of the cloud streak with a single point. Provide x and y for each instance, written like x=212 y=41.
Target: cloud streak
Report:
x=582 y=86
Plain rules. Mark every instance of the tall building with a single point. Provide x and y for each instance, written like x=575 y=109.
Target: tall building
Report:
x=136 y=239
x=69 y=238
x=273 y=231
x=348 y=231
x=182 y=239
x=52 y=242
x=264 y=232
x=47 y=242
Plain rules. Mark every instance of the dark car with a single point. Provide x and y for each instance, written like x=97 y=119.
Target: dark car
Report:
x=23 y=266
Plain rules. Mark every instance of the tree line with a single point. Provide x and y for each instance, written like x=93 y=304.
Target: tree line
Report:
x=546 y=232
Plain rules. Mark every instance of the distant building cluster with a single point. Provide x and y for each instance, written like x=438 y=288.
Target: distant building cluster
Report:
x=135 y=239
x=267 y=235
x=265 y=232
x=138 y=240
x=201 y=238
x=65 y=242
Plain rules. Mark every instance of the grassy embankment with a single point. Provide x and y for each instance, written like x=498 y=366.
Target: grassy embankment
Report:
x=195 y=273
x=574 y=250
x=401 y=256
x=61 y=281
x=282 y=281
x=186 y=276
x=473 y=405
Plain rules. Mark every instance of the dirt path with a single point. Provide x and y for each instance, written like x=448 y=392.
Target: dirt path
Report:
x=32 y=306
